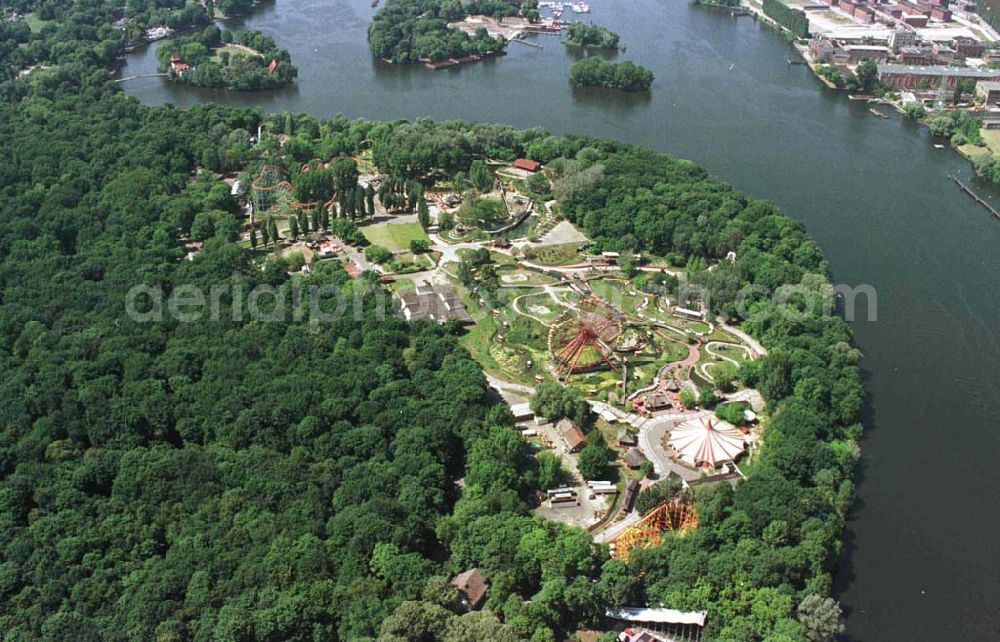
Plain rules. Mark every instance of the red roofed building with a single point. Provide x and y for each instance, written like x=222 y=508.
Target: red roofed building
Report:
x=272 y=66
x=472 y=586
x=351 y=269
x=527 y=165
x=571 y=433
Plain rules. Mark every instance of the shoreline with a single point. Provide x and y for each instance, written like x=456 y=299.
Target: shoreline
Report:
x=802 y=50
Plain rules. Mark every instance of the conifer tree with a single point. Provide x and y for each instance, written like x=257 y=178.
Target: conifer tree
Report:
x=272 y=228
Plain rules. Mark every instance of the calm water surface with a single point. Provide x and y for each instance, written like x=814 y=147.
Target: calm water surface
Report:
x=923 y=552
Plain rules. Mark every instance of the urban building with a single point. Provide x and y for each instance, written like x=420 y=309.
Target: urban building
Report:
x=901 y=38
x=988 y=93
x=821 y=49
x=931 y=76
x=916 y=56
x=857 y=53
x=968 y=48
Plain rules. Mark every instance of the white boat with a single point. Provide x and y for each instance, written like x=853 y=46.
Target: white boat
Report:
x=938 y=146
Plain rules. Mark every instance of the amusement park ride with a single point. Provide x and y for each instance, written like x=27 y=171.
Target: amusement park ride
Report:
x=675 y=516
x=584 y=338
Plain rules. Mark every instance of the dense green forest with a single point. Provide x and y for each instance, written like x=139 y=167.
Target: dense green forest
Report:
x=241 y=60
x=231 y=8
x=583 y=35
x=230 y=479
x=595 y=72
x=790 y=18
x=73 y=31
x=406 y=31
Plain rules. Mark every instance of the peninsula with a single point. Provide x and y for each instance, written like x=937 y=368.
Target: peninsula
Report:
x=275 y=376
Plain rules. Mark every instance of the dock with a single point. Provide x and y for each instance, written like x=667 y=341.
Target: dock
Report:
x=119 y=80
x=976 y=197
x=525 y=42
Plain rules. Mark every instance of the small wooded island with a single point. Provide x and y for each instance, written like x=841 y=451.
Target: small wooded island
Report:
x=410 y=31
x=239 y=60
x=626 y=76
x=582 y=35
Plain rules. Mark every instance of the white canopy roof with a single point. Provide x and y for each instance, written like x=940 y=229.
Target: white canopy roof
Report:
x=707 y=441
x=657 y=616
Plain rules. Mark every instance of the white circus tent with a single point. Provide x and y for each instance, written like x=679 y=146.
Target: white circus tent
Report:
x=707 y=442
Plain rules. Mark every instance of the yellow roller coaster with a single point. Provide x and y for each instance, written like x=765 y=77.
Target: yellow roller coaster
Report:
x=675 y=516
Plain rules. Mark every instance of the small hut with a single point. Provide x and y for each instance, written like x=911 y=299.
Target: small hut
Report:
x=634 y=458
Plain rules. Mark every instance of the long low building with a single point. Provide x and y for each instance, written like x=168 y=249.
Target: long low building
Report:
x=438 y=303
x=648 y=615
x=931 y=76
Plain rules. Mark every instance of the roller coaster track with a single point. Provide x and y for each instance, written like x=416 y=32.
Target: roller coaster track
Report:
x=675 y=516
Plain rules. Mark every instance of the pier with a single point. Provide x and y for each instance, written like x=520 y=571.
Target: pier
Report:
x=525 y=42
x=163 y=75
x=976 y=197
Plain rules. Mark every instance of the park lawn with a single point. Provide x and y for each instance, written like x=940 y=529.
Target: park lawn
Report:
x=477 y=341
x=971 y=151
x=992 y=139
x=617 y=294
x=549 y=314
x=401 y=283
x=670 y=350
x=233 y=50
x=554 y=255
x=523 y=278
x=718 y=334
x=502 y=259
x=687 y=325
x=735 y=353
x=394 y=236
x=35 y=23
x=597 y=383
x=699 y=327
x=424 y=261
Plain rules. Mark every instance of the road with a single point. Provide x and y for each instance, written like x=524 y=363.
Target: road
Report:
x=507 y=389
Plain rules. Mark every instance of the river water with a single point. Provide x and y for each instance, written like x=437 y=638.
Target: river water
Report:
x=922 y=553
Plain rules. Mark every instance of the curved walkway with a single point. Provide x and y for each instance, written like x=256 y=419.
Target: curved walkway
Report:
x=708 y=348
x=516 y=304
x=757 y=350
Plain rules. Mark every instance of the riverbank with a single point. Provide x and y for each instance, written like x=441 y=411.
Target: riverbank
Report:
x=832 y=77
